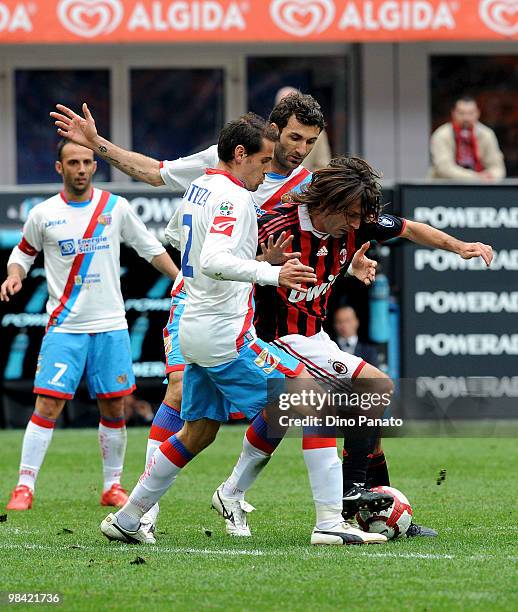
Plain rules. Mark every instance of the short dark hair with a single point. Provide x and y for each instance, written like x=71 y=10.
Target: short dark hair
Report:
x=249 y=131
x=305 y=108
x=464 y=98
x=334 y=189
x=60 y=147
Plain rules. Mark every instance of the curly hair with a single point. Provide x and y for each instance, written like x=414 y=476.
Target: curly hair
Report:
x=305 y=108
x=337 y=187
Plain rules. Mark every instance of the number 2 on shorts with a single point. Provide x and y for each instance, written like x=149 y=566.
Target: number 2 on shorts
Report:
x=187 y=270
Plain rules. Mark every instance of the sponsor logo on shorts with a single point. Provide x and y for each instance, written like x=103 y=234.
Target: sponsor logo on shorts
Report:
x=122 y=379
x=266 y=361
x=168 y=345
x=67 y=247
x=339 y=367
x=38 y=364
x=223 y=225
x=105 y=219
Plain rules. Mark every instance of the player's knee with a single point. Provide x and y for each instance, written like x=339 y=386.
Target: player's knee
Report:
x=373 y=380
x=49 y=407
x=112 y=408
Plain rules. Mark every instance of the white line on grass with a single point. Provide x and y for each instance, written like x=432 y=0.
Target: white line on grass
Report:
x=133 y=549
x=250 y=553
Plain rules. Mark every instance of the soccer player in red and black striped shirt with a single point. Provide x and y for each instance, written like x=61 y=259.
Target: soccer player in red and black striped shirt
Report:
x=330 y=224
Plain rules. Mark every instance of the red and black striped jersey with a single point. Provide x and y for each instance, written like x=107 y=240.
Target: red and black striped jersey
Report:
x=280 y=311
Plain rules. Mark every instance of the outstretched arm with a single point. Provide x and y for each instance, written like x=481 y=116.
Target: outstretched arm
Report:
x=82 y=131
x=426 y=235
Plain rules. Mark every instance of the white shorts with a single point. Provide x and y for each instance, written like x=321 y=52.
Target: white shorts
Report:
x=322 y=357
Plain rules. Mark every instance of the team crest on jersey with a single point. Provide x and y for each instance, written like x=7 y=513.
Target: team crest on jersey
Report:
x=223 y=225
x=67 y=247
x=122 y=378
x=226 y=209
x=105 y=219
x=343 y=256
x=266 y=361
x=78 y=280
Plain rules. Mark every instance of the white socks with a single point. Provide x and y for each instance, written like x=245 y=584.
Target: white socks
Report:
x=325 y=477
x=159 y=475
x=152 y=514
x=112 y=440
x=36 y=440
x=248 y=467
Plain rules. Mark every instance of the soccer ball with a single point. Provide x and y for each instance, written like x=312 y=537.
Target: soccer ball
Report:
x=392 y=522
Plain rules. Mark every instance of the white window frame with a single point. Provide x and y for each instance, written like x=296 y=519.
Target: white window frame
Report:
x=120 y=59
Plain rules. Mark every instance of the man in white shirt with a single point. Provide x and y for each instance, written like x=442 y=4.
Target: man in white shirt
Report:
x=79 y=232
x=299 y=120
x=227 y=365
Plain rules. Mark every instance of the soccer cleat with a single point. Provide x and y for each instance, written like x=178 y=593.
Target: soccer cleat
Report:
x=21 y=498
x=149 y=528
x=416 y=531
x=113 y=531
x=114 y=496
x=344 y=534
x=234 y=512
x=359 y=498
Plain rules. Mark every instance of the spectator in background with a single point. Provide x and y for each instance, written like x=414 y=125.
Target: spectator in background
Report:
x=346 y=329
x=320 y=155
x=465 y=149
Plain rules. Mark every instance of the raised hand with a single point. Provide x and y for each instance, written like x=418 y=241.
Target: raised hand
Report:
x=293 y=273
x=275 y=252
x=468 y=250
x=80 y=130
x=363 y=268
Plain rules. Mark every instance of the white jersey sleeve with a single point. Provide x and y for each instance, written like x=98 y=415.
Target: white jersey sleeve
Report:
x=135 y=233
x=180 y=173
x=26 y=251
x=223 y=239
x=172 y=231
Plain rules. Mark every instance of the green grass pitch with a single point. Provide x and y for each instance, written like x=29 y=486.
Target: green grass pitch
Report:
x=471 y=566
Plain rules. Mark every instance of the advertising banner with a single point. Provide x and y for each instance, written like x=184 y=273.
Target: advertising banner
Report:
x=197 y=21
x=459 y=317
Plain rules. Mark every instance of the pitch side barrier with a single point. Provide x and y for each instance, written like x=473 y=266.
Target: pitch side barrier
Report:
x=458 y=320
x=459 y=332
